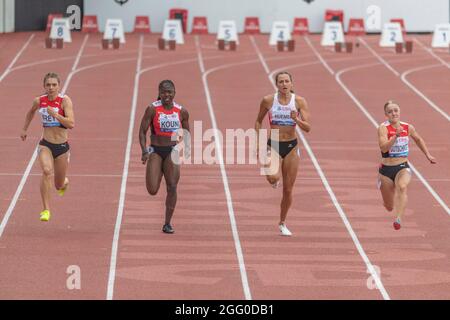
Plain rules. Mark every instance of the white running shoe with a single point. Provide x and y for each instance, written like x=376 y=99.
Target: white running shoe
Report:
x=284 y=230
x=276 y=184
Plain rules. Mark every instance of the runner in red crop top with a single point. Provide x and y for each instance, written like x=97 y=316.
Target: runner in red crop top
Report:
x=56 y=113
x=394 y=171
x=164 y=118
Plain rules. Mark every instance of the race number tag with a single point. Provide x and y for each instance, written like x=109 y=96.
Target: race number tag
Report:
x=48 y=120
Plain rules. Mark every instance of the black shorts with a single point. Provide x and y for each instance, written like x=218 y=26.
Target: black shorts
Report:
x=56 y=149
x=162 y=151
x=392 y=171
x=284 y=147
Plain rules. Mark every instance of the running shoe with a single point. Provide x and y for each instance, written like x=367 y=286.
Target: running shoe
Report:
x=63 y=189
x=167 y=228
x=397 y=224
x=45 y=215
x=284 y=230
x=276 y=184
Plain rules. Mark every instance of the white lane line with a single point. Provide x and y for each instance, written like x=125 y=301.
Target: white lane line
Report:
x=403 y=78
x=123 y=187
x=12 y=205
x=17 y=56
x=430 y=51
x=338 y=207
x=237 y=243
x=376 y=55
x=419 y=93
x=330 y=70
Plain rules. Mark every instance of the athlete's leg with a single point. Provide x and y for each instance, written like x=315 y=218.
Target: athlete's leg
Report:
x=387 y=191
x=171 y=172
x=46 y=162
x=401 y=184
x=273 y=168
x=61 y=164
x=289 y=170
x=153 y=174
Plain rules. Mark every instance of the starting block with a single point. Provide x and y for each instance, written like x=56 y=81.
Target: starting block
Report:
x=407 y=45
x=341 y=46
x=54 y=43
x=226 y=45
x=106 y=43
x=163 y=44
x=283 y=45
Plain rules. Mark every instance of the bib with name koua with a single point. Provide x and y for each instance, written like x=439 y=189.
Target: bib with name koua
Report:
x=166 y=122
x=56 y=105
x=401 y=144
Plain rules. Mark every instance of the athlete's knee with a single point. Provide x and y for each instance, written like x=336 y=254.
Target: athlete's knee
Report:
x=47 y=171
x=401 y=187
x=171 y=188
x=272 y=179
x=287 y=190
x=59 y=185
x=389 y=207
x=152 y=189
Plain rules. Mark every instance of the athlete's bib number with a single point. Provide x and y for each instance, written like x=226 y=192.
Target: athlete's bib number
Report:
x=47 y=119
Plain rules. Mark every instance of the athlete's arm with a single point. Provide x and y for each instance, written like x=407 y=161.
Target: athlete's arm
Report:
x=383 y=141
x=303 y=121
x=420 y=143
x=146 y=122
x=68 y=121
x=186 y=132
x=29 y=116
x=264 y=107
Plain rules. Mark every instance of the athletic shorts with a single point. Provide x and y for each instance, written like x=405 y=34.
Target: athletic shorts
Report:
x=56 y=149
x=392 y=171
x=162 y=151
x=284 y=147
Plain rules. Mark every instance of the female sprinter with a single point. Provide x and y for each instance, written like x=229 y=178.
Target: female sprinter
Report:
x=57 y=116
x=164 y=118
x=394 y=172
x=286 y=111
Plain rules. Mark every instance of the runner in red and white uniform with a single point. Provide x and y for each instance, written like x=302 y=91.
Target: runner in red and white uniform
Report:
x=164 y=118
x=286 y=111
x=394 y=172
x=56 y=113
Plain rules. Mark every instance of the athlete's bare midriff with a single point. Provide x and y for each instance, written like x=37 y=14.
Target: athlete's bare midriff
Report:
x=55 y=135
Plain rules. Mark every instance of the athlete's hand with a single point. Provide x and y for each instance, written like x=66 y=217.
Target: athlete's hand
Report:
x=431 y=159
x=51 y=112
x=399 y=131
x=23 y=135
x=145 y=157
x=294 y=115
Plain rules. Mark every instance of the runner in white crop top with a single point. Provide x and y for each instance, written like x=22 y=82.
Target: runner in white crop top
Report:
x=286 y=111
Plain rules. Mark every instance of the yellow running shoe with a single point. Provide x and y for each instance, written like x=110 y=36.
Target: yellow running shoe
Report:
x=63 y=189
x=45 y=215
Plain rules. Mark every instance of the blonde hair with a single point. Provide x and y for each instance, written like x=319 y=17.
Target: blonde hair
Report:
x=388 y=103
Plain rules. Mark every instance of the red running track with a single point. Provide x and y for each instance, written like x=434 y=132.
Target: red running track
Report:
x=200 y=261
